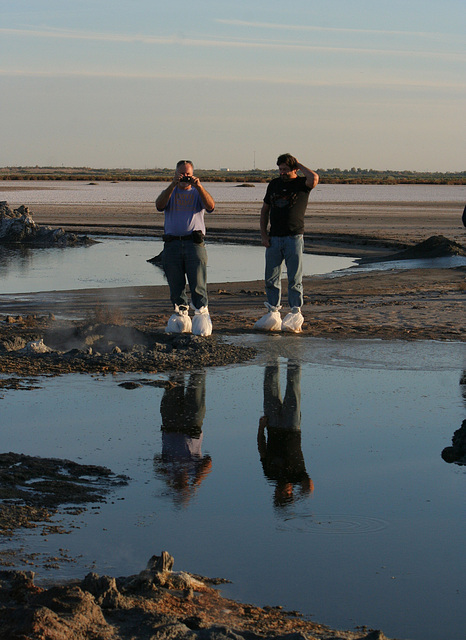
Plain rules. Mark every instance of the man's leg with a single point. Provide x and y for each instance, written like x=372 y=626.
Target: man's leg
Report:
x=173 y=266
x=196 y=270
x=272 y=394
x=273 y=269
x=294 y=246
x=292 y=401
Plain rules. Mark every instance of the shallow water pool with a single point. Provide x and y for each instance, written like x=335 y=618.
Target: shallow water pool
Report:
x=312 y=478
x=120 y=262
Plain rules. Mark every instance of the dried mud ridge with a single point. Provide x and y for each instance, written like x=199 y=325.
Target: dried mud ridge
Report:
x=39 y=345
x=156 y=604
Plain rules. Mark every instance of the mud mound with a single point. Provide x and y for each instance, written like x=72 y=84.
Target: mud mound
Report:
x=107 y=348
x=433 y=247
x=18 y=228
x=100 y=337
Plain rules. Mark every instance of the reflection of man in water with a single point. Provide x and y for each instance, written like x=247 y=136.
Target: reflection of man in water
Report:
x=280 y=451
x=181 y=464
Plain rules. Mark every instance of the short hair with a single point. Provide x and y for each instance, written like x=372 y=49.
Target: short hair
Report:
x=180 y=162
x=288 y=159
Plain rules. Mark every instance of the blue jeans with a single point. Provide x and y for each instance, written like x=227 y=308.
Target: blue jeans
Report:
x=183 y=259
x=290 y=250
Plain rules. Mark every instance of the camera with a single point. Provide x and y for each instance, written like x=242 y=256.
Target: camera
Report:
x=187 y=179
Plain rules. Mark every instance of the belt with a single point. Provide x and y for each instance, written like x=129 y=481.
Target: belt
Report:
x=169 y=238
x=196 y=237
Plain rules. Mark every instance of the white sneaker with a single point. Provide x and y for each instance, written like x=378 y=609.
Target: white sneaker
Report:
x=179 y=322
x=293 y=321
x=202 y=324
x=271 y=321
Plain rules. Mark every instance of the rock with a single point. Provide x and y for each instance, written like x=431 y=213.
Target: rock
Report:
x=130 y=385
x=375 y=635
x=36 y=346
x=15 y=344
x=104 y=589
x=18 y=227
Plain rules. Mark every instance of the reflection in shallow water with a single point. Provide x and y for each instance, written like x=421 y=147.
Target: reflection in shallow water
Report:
x=279 y=435
x=380 y=541
x=181 y=464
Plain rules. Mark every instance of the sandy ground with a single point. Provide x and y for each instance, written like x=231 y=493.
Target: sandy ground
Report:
x=426 y=304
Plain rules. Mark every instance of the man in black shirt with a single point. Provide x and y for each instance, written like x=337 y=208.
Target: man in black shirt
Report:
x=284 y=208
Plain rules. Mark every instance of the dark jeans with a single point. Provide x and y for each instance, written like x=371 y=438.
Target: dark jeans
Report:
x=183 y=258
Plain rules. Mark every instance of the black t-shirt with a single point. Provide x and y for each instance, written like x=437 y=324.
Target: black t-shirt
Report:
x=288 y=201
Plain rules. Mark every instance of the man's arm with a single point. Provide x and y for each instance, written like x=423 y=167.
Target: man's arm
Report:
x=265 y=211
x=312 y=178
x=165 y=196
x=206 y=198
x=261 y=439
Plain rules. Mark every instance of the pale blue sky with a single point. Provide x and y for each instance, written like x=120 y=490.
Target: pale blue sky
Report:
x=107 y=83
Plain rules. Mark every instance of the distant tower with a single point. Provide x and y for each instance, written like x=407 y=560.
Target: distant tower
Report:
x=254 y=165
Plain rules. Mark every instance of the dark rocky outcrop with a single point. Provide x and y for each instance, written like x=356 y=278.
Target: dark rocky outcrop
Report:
x=18 y=228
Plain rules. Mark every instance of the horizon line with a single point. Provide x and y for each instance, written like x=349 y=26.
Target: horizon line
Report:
x=228 y=170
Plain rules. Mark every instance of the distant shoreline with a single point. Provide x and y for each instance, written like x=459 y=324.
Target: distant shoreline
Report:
x=327 y=176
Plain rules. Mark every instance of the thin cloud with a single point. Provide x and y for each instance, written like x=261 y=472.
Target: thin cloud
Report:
x=376 y=82
x=68 y=34
x=298 y=27
x=223 y=43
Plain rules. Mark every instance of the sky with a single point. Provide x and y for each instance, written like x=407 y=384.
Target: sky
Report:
x=142 y=84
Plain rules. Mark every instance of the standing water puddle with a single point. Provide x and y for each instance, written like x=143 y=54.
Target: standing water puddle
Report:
x=119 y=262
x=312 y=478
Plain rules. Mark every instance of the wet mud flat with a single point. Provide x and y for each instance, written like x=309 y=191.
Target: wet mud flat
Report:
x=33 y=489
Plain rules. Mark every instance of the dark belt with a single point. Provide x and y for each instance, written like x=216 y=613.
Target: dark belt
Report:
x=195 y=236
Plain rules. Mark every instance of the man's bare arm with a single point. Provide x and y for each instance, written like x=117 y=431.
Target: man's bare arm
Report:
x=165 y=196
x=312 y=178
x=206 y=198
x=265 y=211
